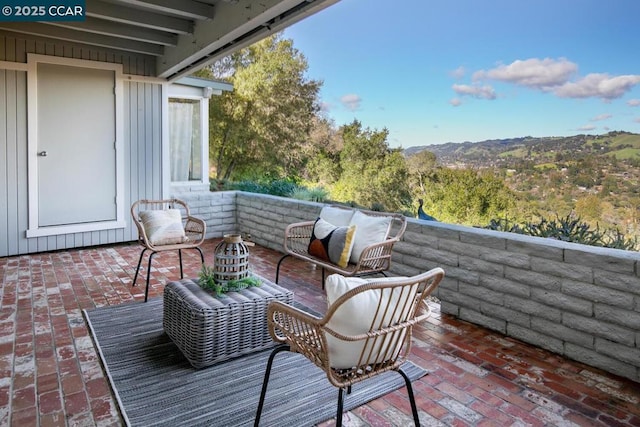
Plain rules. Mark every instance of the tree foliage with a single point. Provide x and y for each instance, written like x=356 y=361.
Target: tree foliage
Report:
x=372 y=173
x=322 y=153
x=420 y=165
x=467 y=196
x=257 y=129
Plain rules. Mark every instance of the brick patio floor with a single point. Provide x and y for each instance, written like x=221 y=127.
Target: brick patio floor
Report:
x=51 y=375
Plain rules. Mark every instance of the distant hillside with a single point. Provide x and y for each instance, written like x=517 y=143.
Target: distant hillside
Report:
x=596 y=178
x=504 y=152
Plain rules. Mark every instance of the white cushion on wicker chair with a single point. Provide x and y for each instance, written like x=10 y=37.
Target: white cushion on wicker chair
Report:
x=356 y=316
x=336 y=216
x=371 y=230
x=163 y=227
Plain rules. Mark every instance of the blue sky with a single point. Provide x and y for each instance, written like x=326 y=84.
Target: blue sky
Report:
x=436 y=71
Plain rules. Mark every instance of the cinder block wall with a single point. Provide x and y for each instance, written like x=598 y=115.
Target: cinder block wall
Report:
x=218 y=209
x=575 y=300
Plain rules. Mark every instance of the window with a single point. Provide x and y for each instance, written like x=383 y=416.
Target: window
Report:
x=185 y=140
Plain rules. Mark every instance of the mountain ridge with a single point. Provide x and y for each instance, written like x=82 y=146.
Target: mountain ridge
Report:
x=493 y=152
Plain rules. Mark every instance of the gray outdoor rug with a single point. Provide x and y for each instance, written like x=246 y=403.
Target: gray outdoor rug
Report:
x=155 y=385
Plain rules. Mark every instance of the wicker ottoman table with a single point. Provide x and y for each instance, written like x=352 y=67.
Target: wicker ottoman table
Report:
x=211 y=329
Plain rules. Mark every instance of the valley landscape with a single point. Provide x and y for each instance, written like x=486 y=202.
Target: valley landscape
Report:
x=592 y=177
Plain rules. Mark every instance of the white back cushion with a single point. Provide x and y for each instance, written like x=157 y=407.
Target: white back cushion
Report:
x=371 y=229
x=336 y=216
x=357 y=315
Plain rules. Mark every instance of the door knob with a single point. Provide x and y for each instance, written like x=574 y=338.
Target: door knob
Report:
x=42 y=154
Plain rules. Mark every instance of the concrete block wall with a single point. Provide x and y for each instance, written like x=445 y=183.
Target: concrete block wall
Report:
x=265 y=217
x=579 y=301
x=217 y=209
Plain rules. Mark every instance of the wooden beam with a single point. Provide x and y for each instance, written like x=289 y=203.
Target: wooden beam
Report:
x=114 y=29
x=185 y=8
x=75 y=36
x=138 y=17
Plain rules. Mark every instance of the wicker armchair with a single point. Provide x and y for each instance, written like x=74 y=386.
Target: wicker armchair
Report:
x=375 y=259
x=187 y=233
x=394 y=306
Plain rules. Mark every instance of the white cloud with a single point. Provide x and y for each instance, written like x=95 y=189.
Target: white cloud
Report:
x=557 y=76
x=458 y=73
x=586 y=128
x=351 y=101
x=542 y=74
x=456 y=102
x=475 y=91
x=325 y=107
x=598 y=86
x=600 y=117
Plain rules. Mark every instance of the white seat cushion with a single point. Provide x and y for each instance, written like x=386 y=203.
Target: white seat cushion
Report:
x=163 y=227
x=371 y=230
x=357 y=315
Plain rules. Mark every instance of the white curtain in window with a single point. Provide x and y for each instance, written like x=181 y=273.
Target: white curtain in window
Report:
x=180 y=136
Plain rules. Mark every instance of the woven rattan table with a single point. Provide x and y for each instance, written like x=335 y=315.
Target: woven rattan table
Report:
x=211 y=329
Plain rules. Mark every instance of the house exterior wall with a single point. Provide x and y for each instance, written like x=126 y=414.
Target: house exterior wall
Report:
x=579 y=301
x=14 y=47
x=142 y=143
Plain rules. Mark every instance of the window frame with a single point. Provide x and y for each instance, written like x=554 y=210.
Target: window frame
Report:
x=188 y=93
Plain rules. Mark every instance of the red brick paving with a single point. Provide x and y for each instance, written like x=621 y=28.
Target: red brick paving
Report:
x=50 y=374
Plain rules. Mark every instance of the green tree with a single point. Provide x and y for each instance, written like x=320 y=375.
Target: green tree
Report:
x=372 y=173
x=589 y=207
x=257 y=129
x=420 y=165
x=609 y=185
x=322 y=153
x=467 y=196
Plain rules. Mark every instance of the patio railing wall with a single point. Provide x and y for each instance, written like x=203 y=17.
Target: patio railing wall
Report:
x=579 y=301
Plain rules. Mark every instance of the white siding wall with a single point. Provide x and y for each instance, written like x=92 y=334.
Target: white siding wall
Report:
x=142 y=142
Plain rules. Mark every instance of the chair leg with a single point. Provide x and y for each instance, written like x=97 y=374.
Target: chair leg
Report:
x=180 y=258
x=146 y=290
x=340 y=407
x=135 y=277
x=265 y=382
x=278 y=267
x=323 y=278
x=201 y=255
x=414 y=408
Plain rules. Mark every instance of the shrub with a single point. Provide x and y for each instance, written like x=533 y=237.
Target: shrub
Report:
x=281 y=187
x=317 y=194
x=567 y=229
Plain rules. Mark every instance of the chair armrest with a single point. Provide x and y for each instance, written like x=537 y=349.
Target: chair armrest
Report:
x=302 y=331
x=195 y=229
x=297 y=236
x=376 y=256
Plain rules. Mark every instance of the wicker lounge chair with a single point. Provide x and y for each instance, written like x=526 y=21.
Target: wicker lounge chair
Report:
x=375 y=258
x=366 y=330
x=166 y=225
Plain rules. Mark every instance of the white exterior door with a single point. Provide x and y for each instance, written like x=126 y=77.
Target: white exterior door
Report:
x=76 y=180
x=76 y=154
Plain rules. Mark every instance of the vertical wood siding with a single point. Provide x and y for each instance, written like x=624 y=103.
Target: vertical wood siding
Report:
x=142 y=144
x=14 y=47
